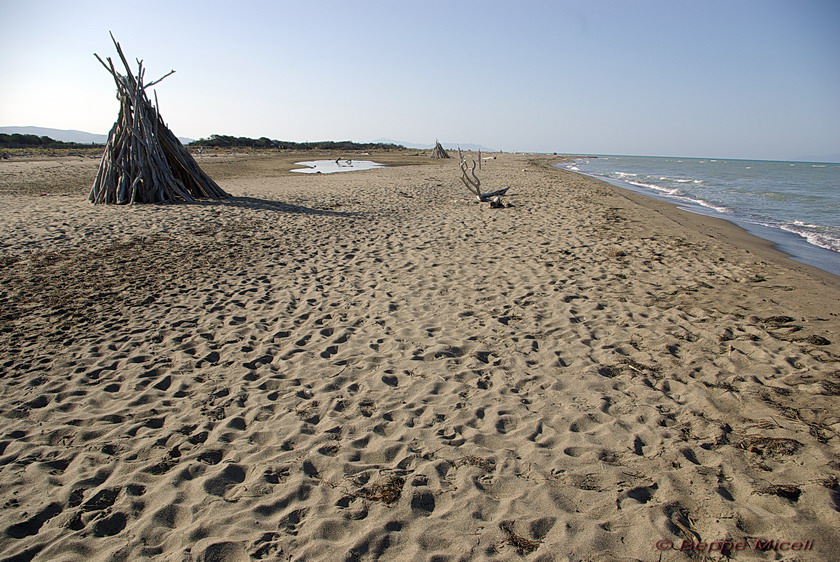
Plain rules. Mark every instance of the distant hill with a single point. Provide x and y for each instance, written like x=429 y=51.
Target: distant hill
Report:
x=65 y=135
x=446 y=145
x=58 y=134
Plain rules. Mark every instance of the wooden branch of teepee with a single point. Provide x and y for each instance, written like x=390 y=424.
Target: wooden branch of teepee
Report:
x=143 y=160
x=159 y=80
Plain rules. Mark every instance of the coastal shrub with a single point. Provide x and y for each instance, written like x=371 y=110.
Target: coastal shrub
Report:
x=18 y=140
x=227 y=141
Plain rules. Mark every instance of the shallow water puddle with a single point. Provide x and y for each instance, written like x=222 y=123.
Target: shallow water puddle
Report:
x=333 y=166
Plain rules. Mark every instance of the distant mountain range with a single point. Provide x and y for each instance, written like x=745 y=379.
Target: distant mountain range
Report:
x=446 y=145
x=65 y=135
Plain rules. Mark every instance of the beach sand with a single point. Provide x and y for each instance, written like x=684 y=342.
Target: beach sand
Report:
x=373 y=366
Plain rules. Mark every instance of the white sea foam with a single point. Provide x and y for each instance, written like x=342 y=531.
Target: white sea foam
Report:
x=680 y=195
x=718 y=208
x=669 y=190
x=679 y=180
x=816 y=238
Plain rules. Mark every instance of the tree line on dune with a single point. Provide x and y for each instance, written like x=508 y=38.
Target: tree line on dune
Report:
x=226 y=141
x=17 y=140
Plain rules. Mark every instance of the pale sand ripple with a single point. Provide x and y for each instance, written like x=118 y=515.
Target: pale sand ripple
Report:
x=372 y=366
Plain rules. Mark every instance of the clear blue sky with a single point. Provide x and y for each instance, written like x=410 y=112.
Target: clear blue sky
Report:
x=733 y=78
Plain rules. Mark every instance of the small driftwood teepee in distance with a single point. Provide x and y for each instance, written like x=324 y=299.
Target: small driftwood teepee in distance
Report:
x=438 y=151
x=143 y=161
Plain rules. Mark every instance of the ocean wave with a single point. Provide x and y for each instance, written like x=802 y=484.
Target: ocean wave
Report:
x=663 y=189
x=806 y=225
x=774 y=195
x=679 y=180
x=679 y=195
x=718 y=208
x=820 y=239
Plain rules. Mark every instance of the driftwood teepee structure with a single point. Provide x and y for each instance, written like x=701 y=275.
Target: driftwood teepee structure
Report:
x=438 y=151
x=143 y=161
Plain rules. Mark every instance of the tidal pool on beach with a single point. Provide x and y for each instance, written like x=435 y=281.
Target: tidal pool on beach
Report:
x=333 y=166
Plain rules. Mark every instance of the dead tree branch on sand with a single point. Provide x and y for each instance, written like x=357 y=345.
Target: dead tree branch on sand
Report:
x=144 y=162
x=473 y=182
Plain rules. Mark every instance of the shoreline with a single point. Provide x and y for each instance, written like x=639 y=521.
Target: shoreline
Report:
x=791 y=244
x=749 y=245
x=372 y=364
x=742 y=237
x=728 y=230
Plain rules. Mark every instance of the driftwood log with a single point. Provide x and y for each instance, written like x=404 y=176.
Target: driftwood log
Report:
x=473 y=183
x=144 y=162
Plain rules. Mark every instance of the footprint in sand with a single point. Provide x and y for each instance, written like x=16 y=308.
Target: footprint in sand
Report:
x=32 y=525
x=584 y=423
x=423 y=502
x=642 y=494
x=111 y=525
x=224 y=480
x=576 y=451
x=226 y=550
x=506 y=423
x=638 y=446
x=329 y=352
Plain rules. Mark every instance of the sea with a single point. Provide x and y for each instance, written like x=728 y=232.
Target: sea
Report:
x=795 y=205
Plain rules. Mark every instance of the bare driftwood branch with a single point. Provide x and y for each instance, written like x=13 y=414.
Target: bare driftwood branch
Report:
x=473 y=182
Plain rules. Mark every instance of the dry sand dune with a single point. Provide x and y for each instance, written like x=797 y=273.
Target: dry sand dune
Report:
x=371 y=366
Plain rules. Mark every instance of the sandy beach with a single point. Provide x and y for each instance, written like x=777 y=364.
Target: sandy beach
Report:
x=373 y=366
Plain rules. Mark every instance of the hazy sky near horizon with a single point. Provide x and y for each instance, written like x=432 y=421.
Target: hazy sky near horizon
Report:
x=729 y=79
